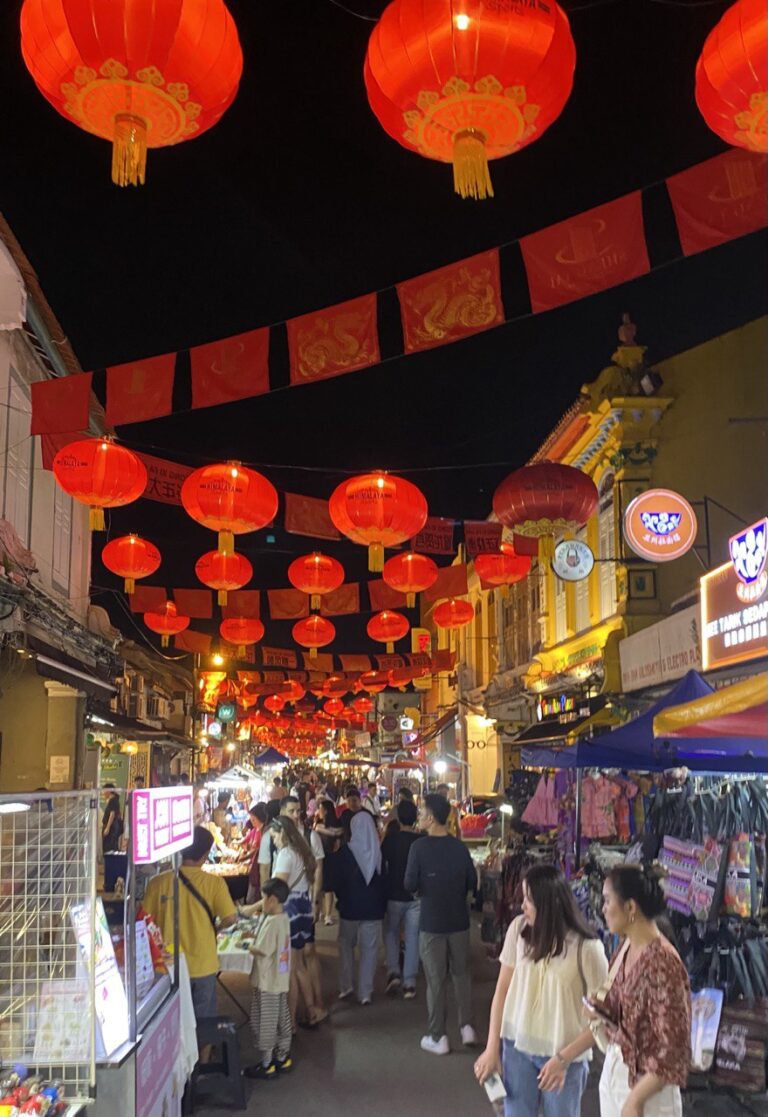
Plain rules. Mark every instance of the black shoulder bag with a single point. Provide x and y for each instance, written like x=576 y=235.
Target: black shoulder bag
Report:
x=200 y=899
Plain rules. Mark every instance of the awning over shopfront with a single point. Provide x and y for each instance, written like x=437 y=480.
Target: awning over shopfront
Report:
x=738 y=711
x=66 y=671
x=111 y=722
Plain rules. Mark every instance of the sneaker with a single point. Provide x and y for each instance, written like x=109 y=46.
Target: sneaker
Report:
x=345 y=994
x=260 y=1071
x=366 y=1001
x=409 y=992
x=468 y=1036
x=285 y=1065
x=393 y=983
x=435 y=1046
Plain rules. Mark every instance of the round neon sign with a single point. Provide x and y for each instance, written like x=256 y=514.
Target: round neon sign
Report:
x=660 y=525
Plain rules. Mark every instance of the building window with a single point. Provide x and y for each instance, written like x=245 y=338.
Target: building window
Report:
x=581 y=594
x=62 y=539
x=608 y=548
x=18 y=476
x=561 y=614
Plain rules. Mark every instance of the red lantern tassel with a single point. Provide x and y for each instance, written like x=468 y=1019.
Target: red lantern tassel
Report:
x=390 y=648
x=314 y=601
x=376 y=557
x=129 y=150
x=471 y=177
x=164 y=641
x=313 y=653
x=227 y=542
x=96 y=519
x=129 y=585
x=221 y=597
x=410 y=600
x=241 y=651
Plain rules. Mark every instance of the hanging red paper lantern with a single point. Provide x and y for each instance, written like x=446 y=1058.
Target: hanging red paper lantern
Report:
x=223 y=572
x=241 y=631
x=100 y=473
x=410 y=573
x=503 y=567
x=166 y=622
x=542 y=500
x=335 y=686
x=314 y=632
x=138 y=74
x=131 y=558
x=363 y=705
x=464 y=82
x=373 y=681
x=453 y=613
x=229 y=498
x=378 y=510
x=400 y=677
x=294 y=692
x=731 y=77
x=315 y=575
x=334 y=707
x=387 y=627
x=274 y=703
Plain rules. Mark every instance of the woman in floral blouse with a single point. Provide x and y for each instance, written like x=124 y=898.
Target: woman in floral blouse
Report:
x=647 y=1011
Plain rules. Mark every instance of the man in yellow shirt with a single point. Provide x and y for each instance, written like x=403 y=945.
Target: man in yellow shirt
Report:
x=205 y=907
x=454 y=828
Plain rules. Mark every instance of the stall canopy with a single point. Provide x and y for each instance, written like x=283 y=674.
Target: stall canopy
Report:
x=269 y=758
x=738 y=712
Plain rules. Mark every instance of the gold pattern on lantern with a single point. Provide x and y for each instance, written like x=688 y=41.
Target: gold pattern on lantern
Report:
x=753 y=123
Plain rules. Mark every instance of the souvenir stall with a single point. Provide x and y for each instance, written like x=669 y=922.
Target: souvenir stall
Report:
x=238 y=787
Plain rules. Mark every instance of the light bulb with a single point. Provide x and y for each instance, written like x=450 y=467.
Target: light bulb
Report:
x=462 y=22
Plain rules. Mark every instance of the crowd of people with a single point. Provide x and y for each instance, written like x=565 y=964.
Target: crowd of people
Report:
x=405 y=882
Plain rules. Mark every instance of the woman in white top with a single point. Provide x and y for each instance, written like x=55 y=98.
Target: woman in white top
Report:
x=551 y=959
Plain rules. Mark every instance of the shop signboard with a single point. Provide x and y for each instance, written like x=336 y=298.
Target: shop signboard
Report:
x=662 y=652
x=734 y=618
x=421 y=644
x=97 y=955
x=749 y=552
x=573 y=560
x=162 y=822
x=158 y=1082
x=660 y=525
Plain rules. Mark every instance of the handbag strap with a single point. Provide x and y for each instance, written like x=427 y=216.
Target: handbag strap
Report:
x=200 y=899
x=579 y=963
x=613 y=971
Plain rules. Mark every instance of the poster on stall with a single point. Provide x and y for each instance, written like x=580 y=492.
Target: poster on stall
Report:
x=63 y=1022
x=159 y=1083
x=111 y=1001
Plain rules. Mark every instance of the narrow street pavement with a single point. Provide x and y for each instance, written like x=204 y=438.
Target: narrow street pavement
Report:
x=367 y=1061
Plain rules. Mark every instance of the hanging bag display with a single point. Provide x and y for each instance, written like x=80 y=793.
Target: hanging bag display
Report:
x=740 y=1051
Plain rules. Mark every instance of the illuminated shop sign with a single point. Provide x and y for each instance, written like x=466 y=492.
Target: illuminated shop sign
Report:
x=734 y=618
x=660 y=525
x=161 y=822
x=749 y=550
x=573 y=560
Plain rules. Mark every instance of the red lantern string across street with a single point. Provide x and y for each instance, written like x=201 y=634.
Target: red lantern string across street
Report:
x=410 y=573
x=138 y=74
x=229 y=498
x=502 y=568
x=373 y=681
x=464 y=82
x=542 y=500
x=731 y=80
x=314 y=632
x=387 y=627
x=100 y=473
x=223 y=572
x=166 y=622
x=241 y=631
x=315 y=575
x=453 y=613
x=334 y=707
x=378 y=510
x=131 y=558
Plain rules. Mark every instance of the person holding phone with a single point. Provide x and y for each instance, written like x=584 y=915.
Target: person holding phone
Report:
x=551 y=959
x=645 y=1018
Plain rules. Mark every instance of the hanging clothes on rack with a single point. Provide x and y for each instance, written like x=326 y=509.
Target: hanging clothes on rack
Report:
x=598 y=816
x=541 y=812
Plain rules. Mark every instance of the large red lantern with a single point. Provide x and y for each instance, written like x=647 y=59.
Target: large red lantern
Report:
x=410 y=573
x=274 y=703
x=542 y=500
x=335 y=686
x=465 y=81
x=229 y=498
x=100 y=473
x=731 y=83
x=334 y=707
x=503 y=567
x=315 y=575
x=136 y=73
x=131 y=558
x=373 y=681
x=363 y=706
x=378 y=510
x=223 y=572
x=241 y=631
x=166 y=622
x=387 y=627
x=314 y=632
x=453 y=613
x=294 y=692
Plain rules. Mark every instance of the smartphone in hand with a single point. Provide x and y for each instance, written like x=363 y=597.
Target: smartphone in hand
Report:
x=494 y=1088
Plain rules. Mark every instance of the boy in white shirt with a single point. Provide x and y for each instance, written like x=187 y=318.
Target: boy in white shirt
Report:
x=270 y=979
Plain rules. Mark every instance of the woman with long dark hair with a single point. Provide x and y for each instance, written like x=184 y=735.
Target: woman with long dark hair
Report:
x=644 y=1019
x=330 y=831
x=551 y=959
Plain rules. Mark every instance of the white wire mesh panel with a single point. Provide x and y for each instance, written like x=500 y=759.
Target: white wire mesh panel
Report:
x=47 y=864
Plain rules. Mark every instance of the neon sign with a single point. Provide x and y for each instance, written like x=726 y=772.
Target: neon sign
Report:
x=749 y=551
x=660 y=525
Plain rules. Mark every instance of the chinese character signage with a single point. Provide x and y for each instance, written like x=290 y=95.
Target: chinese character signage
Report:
x=734 y=618
x=161 y=822
x=660 y=525
x=748 y=555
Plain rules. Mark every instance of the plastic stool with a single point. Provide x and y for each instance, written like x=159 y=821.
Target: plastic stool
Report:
x=224 y=1072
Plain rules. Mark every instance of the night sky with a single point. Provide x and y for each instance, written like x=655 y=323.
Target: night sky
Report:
x=298 y=199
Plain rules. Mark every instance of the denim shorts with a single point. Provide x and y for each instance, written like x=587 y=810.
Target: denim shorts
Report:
x=525 y=1099
x=204 y=996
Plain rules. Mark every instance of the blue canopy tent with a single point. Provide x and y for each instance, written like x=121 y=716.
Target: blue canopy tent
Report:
x=270 y=758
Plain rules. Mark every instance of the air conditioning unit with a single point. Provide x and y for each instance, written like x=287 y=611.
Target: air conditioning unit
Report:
x=137 y=706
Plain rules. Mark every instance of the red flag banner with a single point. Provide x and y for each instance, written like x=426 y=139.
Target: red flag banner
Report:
x=197 y=642
x=323 y=662
x=197 y=604
x=230 y=369
x=355 y=663
x=383 y=596
x=451 y=582
x=389 y=662
x=451 y=303
x=443 y=660
x=287 y=605
x=436 y=537
x=148 y=599
x=164 y=479
x=308 y=515
x=50 y=444
x=61 y=405
x=279 y=657
x=330 y=342
x=585 y=254
x=719 y=200
x=346 y=599
x=140 y=390
x=242 y=603
x=482 y=536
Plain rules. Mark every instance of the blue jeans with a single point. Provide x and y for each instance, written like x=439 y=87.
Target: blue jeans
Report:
x=525 y=1099
x=405 y=914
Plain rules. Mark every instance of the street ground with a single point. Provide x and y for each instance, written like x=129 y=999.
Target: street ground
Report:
x=367 y=1061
